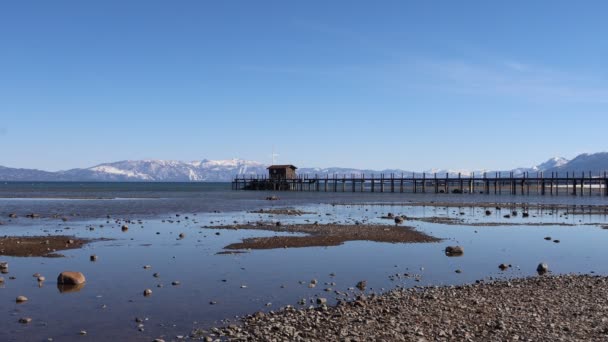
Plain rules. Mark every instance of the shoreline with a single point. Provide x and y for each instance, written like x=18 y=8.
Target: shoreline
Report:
x=550 y=307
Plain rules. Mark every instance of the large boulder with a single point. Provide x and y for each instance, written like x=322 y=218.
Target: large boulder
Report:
x=71 y=278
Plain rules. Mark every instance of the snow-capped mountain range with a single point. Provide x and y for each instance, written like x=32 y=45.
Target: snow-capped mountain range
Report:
x=225 y=170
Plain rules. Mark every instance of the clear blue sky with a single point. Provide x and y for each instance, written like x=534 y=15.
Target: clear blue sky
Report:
x=376 y=84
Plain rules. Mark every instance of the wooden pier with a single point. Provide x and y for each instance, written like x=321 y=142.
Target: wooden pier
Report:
x=554 y=184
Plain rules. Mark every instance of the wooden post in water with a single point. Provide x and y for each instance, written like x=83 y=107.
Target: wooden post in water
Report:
x=423 y=182
x=590 y=183
x=460 y=184
x=605 y=184
x=401 y=183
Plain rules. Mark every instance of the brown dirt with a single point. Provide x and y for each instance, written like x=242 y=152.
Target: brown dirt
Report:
x=38 y=246
x=326 y=235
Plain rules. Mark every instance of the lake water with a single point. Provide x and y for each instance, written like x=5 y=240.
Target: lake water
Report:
x=261 y=279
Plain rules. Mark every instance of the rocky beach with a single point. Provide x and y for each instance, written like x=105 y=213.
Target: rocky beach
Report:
x=544 y=308
x=329 y=267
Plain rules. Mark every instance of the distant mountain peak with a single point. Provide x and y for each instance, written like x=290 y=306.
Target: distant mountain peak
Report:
x=224 y=170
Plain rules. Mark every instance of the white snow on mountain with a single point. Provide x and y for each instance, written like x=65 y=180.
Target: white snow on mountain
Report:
x=225 y=170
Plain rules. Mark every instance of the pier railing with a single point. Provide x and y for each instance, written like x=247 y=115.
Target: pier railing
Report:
x=568 y=183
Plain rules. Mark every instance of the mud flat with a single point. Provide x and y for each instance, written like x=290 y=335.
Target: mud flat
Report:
x=545 y=308
x=39 y=246
x=326 y=235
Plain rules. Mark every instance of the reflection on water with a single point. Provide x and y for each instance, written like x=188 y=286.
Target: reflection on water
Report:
x=112 y=304
x=69 y=288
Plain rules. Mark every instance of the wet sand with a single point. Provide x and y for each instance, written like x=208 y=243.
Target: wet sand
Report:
x=39 y=246
x=325 y=235
x=533 y=309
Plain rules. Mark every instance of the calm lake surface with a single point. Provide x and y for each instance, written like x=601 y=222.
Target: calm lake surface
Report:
x=240 y=284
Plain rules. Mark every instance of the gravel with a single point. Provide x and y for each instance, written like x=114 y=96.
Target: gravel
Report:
x=554 y=308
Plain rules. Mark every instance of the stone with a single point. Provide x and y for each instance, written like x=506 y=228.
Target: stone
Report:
x=362 y=285
x=542 y=268
x=124 y=228
x=398 y=219
x=93 y=257
x=321 y=301
x=41 y=278
x=175 y=283
x=21 y=299
x=488 y=213
x=71 y=278
x=25 y=320
x=182 y=235
x=147 y=292
x=454 y=250
x=503 y=266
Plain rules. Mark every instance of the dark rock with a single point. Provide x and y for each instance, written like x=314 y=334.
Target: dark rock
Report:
x=362 y=285
x=454 y=250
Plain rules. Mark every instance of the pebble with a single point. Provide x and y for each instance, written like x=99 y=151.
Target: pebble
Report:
x=21 y=299
x=25 y=320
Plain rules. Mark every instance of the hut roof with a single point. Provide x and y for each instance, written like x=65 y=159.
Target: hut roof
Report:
x=289 y=166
